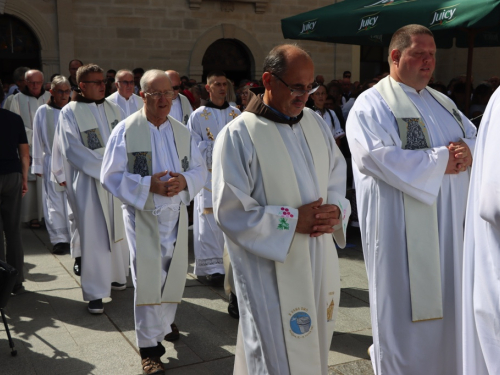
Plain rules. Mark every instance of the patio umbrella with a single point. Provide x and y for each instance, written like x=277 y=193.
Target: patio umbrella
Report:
x=472 y=23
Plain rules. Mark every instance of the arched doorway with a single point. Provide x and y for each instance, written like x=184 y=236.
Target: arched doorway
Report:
x=231 y=56
x=18 y=47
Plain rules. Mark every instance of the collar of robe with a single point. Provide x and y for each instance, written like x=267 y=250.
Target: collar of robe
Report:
x=212 y=105
x=82 y=99
x=52 y=104
x=257 y=106
x=27 y=92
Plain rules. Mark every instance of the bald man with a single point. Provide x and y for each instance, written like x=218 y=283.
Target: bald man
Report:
x=25 y=104
x=181 y=108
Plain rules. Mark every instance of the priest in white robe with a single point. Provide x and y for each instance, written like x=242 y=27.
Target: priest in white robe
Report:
x=164 y=176
x=279 y=195
x=25 y=104
x=411 y=150
x=181 y=107
x=205 y=124
x=54 y=196
x=124 y=97
x=481 y=294
x=84 y=129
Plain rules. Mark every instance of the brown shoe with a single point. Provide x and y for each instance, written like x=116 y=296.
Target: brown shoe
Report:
x=174 y=335
x=152 y=365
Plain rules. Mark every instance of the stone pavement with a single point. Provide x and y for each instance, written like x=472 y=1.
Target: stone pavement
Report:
x=54 y=333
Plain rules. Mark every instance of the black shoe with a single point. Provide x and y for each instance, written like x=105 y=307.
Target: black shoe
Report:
x=216 y=279
x=96 y=306
x=60 y=248
x=174 y=335
x=18 y=289
x=118 y=286
x=232 y=308
x=77 y=267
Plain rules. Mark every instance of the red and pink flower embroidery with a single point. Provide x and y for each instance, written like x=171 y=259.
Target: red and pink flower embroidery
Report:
x=285 y=214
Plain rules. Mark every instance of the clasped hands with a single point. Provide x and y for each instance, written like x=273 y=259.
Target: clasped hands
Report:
x=316 y=219
x=460 y=157
x=169 y=188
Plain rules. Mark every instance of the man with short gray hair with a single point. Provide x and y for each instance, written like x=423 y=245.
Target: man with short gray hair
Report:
x=83 y=131
x=153 y=166
x=124 y=97
x=411 y=150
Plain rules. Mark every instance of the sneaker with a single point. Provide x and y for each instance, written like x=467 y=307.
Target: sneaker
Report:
x=77 y=267
x=152 y=366
x=96 y=306
x=118 y=286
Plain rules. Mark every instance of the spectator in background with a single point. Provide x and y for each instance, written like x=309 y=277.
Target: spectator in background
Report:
x=494 y=82
x=184 y=82
x=347 y=74
x=329 y=116
x=14 y=164
x=110 y=75
x=20 y=84
x=138 y=73
x=73 y=67
x=480 y=99
x=320 y=79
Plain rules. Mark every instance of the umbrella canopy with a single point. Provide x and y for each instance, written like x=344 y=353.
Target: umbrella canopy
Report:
x=372 y=22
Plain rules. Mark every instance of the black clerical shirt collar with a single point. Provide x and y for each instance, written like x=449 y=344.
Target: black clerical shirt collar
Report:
x=212 y=105
x=82 y=99
x=27 y=92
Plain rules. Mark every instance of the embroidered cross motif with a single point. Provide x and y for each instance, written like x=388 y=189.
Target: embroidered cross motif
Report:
x=285 y=214
x=114 y=123
x=141 y=164
x=93 y=139
x=205 y=114
x=233 y=114
x=185 y=163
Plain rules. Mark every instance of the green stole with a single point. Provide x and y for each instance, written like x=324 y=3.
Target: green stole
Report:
x=422 y=237
x=49 y=118
x=148 y=248
x=92 y=139
x=302 y=331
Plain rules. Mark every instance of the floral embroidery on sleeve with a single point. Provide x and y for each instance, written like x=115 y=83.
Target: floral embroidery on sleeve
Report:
x=285 y=214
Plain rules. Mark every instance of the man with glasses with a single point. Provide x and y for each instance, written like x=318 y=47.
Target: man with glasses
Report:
x=279 y=184
x=25 y=104
x=125 y=97
x=153 y=166
x=83 y=130
x=205 y=124
x=181 y=108
x=55 y=202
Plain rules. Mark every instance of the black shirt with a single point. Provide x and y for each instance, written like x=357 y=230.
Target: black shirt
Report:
x=12 y=134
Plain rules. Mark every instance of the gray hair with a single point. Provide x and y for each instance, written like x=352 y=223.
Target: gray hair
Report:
x=276 y=60
x=149 y=76
x=121 y=72
x=59 y=80
x=19 y=73
x=31 y=71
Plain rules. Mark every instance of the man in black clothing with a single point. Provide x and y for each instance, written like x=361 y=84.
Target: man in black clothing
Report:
x=14 y=164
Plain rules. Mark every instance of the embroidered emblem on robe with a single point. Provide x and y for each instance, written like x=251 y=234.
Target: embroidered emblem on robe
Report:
x=285 y=214
x=185 y=163
x=141 y=163
x=300 y=323
x=329 y=312
x=186 y=118
x=205 y=114
x=415 y=136
x=233 y=114
x=114 y=123
x=93 y=139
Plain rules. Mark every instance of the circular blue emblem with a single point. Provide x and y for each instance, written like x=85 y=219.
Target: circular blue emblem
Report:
x=300 y=323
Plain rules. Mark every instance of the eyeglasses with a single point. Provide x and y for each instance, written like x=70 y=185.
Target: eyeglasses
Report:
x=299 y=92
x=158 y=95
x=176 y=87
x=126 y=83
x=63 y=92
x=99 y=82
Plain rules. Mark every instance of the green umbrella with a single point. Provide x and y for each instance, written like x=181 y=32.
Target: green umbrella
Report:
x=372 y=22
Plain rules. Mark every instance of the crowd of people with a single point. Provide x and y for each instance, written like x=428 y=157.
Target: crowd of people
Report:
x=270 y=173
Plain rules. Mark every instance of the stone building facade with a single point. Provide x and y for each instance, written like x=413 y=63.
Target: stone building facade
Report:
x=176 y=34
